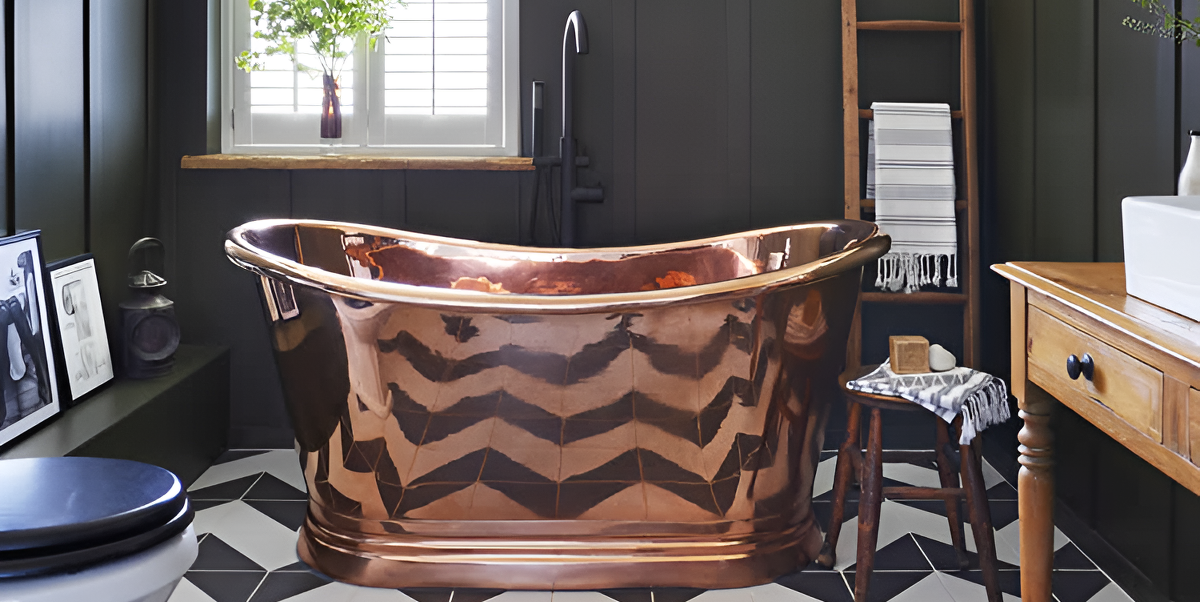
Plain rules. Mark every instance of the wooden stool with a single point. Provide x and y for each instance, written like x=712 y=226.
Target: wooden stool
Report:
x=869 y=472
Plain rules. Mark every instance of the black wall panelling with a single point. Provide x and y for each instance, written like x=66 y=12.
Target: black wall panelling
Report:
x=117 y=157
x=48 y=95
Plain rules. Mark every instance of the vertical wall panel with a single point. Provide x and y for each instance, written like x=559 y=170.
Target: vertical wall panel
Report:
x=218 y=303
x=738 y=110
x=682 y=115
x=1011 y=65
x=1135 y=137
x=369 y=197
x=1065 y=85
x=117 y=105
x=622 y=191
x=479 y=205
x=796 y=112
x=48 y=127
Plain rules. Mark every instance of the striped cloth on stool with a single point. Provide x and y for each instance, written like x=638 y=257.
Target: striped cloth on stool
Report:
x=981 y=398
x=914 y=194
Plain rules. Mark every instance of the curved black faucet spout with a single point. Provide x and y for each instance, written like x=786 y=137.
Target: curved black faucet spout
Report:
x=576 y=30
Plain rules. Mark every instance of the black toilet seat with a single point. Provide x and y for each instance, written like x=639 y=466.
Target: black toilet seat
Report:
x=61 y=514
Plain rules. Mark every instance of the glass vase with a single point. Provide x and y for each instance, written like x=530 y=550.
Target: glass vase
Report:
x=331 y=112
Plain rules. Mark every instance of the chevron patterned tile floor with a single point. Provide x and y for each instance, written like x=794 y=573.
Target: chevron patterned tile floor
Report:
x=250 y=504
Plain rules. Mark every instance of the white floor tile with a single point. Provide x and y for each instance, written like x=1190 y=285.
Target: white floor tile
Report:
x=991 y=477
x=255 y=535
x=283 y=463
x=773 y=592
x=1008 y=542
x=823 y=481
x=186 y=592
x=929 y=589
x=330 y=592
x=968 y=591
x=1111 y=593
x=724 y=595
x=913 y=475
x=208 y=518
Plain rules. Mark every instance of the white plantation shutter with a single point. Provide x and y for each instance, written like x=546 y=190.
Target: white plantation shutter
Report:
x=442 y=80
x=436 y=59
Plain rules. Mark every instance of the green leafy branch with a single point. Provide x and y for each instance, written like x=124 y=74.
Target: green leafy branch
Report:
x=1166 y=23
x=330 y=26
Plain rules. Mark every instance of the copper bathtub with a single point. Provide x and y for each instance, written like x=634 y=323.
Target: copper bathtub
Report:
x=476 y=415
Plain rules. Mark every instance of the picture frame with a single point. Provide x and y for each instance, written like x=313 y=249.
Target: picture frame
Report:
x=86 y=358
x=28 y=377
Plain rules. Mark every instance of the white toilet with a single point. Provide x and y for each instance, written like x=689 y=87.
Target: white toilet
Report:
x=94 y=529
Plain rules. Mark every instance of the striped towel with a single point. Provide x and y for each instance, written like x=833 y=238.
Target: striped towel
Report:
x=914 y=194
x=981 y=398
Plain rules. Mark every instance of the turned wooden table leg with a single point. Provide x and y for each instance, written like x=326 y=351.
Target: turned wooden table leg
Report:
x=1035 y=492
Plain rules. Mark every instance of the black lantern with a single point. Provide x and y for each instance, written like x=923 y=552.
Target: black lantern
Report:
x=149 y=331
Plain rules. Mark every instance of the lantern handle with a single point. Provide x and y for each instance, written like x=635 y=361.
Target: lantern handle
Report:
x=146 y=255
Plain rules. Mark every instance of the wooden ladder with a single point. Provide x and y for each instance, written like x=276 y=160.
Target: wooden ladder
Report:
x=856 y=206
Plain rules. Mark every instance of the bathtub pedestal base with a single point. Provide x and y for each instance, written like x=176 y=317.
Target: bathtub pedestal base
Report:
x=542 y=563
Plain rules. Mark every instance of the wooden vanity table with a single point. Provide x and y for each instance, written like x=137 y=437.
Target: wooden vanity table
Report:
x=1129 y=367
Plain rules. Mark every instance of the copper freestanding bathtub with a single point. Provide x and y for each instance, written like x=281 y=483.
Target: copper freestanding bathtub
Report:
x=476 y=415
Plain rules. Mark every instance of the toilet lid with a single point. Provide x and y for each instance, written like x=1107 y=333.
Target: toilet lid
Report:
x=61 y=513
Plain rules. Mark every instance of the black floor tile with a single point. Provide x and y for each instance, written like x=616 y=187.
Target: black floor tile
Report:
x=1077 y=586
x=475 y=595
x=900 y=555
x=824 y=510
x=280 y=586
x=1010 y=581
x=428 y=594
x=887 y=585
x=238 y=454
x=1002 y=491
x=216 y=555
x=227 y=586
x=1004 y=513
x=289 y=513
x=943 y=557
x=675 y=594
x=227 y=491
x=199 y=505
x=628 y=595
x=827 y=586
x=269 y=487
x=296 y=567
x=1069 y=557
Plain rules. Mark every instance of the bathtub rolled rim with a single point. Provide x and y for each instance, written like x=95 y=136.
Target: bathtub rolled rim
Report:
x=245 y=254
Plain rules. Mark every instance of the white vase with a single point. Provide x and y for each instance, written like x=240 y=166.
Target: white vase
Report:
x=1189 y=176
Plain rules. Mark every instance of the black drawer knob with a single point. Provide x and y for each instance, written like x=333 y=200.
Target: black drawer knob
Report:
x=1085 y=366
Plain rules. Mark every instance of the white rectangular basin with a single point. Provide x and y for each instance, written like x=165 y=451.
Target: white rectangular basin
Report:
x=1162 y=251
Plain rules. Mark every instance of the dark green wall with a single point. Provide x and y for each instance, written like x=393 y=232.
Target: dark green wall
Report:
x=1084 y=112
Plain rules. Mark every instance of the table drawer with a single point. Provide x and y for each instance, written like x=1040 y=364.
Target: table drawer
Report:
x=1130 y=388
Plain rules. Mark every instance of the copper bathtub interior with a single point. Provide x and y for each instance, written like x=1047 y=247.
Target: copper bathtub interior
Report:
x=474 y=415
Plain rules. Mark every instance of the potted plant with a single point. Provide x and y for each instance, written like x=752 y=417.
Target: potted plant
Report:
x=331 y=27
x=1166 y=23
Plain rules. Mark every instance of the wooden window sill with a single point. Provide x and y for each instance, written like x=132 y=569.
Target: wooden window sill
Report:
x=355 y=162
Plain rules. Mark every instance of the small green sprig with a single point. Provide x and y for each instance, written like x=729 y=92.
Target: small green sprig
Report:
x=1166 y=23
x=327 y=24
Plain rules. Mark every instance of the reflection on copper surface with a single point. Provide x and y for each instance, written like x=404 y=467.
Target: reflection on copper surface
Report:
x=474 y=415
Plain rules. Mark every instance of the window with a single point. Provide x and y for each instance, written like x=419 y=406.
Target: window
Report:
x=442 y=80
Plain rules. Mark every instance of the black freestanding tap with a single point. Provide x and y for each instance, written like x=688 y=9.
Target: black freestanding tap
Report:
x=576 y=30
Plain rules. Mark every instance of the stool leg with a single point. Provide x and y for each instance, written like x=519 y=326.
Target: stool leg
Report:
x=869 y=502
x=981 y=518
x=949 y=479
x=841 y=480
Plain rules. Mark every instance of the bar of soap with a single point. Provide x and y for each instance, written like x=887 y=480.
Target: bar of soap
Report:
x=909 y=354
x=940 y=360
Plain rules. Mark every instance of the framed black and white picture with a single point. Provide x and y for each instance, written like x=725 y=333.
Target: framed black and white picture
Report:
x=28 y=382
x=75 y=292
